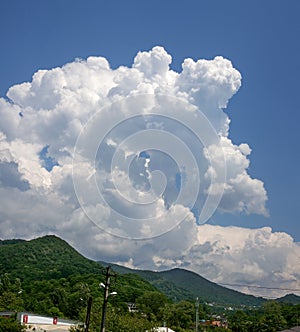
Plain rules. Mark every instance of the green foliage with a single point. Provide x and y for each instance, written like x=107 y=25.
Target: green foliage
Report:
x=127 y=322
x=10 y=325
x=241 y=322
x=46 y=276
x=10 y=291
x=179 y=284
x=44 y=258
x=130 y=287
x=290 y=298
x=291 y=314
x=272 y=319
x=272 y=316
x=77 y=328
x=179 y=316
x=13 y=241
x=151 y=302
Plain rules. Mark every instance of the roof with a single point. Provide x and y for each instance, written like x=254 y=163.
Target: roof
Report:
x=292 y=329
x=7 y=313
x=52 y=328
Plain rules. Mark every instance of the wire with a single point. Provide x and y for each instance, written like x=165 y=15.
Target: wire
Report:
x=263 y=287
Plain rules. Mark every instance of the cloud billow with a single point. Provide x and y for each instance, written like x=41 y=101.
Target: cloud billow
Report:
x=135 y=151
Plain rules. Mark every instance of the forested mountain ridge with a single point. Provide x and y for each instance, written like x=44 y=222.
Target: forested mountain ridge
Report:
x=180 y=284
x=49 y=277
x=50 y=257
x=47 y=257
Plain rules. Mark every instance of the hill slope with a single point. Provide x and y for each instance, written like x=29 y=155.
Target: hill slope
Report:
x=290 y=298
x=180 y=284
x=48 y=257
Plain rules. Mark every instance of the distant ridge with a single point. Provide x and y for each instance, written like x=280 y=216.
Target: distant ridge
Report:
x=290 y=298
x=50 y=257
x=14 y=241
x=179 y=284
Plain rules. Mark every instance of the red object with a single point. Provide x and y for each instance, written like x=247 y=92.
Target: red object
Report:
x=54 y=320
x=25 y=319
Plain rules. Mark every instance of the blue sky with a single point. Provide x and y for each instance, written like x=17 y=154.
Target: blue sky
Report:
x=260 y=38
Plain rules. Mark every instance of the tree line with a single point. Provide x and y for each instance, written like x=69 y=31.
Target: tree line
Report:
x=68 y=298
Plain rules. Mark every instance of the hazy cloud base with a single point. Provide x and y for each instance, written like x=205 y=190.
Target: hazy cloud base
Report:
x=135 y=182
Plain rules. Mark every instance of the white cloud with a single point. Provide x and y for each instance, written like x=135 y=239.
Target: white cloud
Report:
x=241 y=192
x=226 y=255
x=156 y=61
x=131 y=151
x=248 y=257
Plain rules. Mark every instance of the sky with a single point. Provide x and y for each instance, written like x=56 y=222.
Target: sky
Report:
x=156 y=135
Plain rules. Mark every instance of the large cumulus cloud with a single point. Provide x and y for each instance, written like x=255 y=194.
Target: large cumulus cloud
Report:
x=50 y=134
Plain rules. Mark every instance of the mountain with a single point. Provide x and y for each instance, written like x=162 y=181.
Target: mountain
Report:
x=290 y=298
x=11 y=241
x=179 y=284
x=50 y=257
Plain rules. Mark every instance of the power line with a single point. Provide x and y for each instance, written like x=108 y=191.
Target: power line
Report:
x=263 y=287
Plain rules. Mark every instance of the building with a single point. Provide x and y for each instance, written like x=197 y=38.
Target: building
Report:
x=215 y=323
x=38 y=323
x=7 y=314
x=132 y=307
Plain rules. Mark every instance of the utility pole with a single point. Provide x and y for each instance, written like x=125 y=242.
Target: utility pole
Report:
x=197 y=314
x=88 y=314
x=106 y=286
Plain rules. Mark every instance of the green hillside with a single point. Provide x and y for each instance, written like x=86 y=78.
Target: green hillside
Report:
x=290 y=298
x=206 y=290
x=180 y=284
x=48 y=257
x=49 y=277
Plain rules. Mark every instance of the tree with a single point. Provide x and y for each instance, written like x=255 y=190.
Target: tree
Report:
x=272 y=319
x=178 y=316
x=127 y=322
x=10 y=293
x=240 y=322
x=291 y=314
x=11 y=325
x=151 y=302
